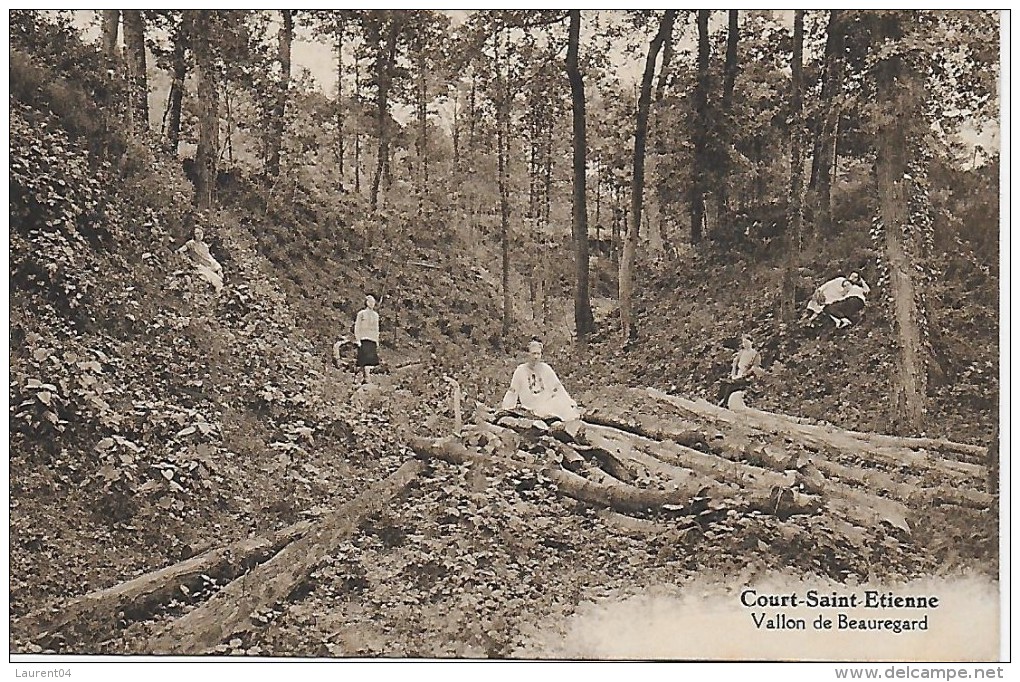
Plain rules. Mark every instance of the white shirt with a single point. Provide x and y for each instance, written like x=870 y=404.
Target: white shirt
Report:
x=366 y=326
x=539 y=389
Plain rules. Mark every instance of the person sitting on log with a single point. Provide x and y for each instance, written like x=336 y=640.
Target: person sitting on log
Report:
x=846 y=310
x=537 y=388
x=207 y=267
x=746 y=366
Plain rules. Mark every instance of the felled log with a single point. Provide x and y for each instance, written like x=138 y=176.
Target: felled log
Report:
x=610 y=492
x=860 y=507
x=959 y=472
x=228 y=611
x=98 y=615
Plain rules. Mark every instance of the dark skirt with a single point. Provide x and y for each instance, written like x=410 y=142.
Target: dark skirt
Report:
x=368 y=354
x=849 y=307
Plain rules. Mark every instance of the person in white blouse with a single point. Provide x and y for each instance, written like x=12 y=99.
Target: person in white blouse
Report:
x=366 y=336
x=537 y=388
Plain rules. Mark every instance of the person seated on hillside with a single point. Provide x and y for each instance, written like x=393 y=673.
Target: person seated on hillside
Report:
x=746 y=366
x=847 y=309
x=207 y=267
x=537 y=388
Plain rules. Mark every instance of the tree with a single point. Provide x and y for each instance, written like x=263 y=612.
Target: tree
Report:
x=111 y=25
x=138 y=90
x=825 y=139
x=700 y=127
x=178 y=73
x=583 y=320
x=382 y=30
x=208 y=106
x=899 y=112
x=795 y=215
x=638 y=177
x=278 y=120
x=729 y=81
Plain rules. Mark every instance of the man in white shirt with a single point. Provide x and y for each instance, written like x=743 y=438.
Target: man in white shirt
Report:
x=537 y=388
x=366 y=335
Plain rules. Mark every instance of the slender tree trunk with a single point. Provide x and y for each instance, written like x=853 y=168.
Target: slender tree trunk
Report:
x=228 y=146
x=357 y=131
x=111 y=26
x=208 y=110
x=700 y=113
x=278 y=127
x=729 y=81
x=897 y=81
x=456 y=128
x=134 y=48
x=547 y=189
x=384 y=76
x=584 y=322
x=665 y=69
x=422 y=103
x=502 y=149
x=638 y=178
x=472 y=111
x=340 y=111
x=794 y=223
x=825 y=142
x=179 y=74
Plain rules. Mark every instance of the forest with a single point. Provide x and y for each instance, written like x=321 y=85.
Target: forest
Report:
x=202 y=470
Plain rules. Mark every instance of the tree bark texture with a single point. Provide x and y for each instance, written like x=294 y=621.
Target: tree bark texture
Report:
x=278 y=126
x=638 y=178
x=729 y=82
x=825 y=141
x=111 y=26
x=584 y=322
x=898 y=88
x=208 y=110
x=138 y=89
x=795 y=210
x=179 y=74
x=700 y=171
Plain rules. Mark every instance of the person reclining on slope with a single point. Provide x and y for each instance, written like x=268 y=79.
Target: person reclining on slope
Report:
x=207 y=267
x=846 y=310
x=746 y=366
x=538 y=389
x=830 y=292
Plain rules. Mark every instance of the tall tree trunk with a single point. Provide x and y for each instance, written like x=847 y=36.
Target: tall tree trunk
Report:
x=729 y=81
x=584 y=322
x=456 y=128
x=825 y=142
x=286 y=36
x=384 y=77
x=357 y=131
x=665 y=69
x=340 y=111
x=138 y=89
x=179 y=74
x=638 y=177
x=111 y=25
x=208 y=109
x=547 y=189
x=898 y=88
x=502 y=149
x=700 y=113
x=794 y=226
x=422 y=151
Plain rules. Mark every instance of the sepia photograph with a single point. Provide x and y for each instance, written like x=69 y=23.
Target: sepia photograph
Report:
x=508 y=335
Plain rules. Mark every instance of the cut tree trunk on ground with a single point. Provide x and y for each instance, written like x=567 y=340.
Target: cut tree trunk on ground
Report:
x=735 y=444
x=98 y=615
x=860 y=507
x=818 y=436
x=228 y=611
